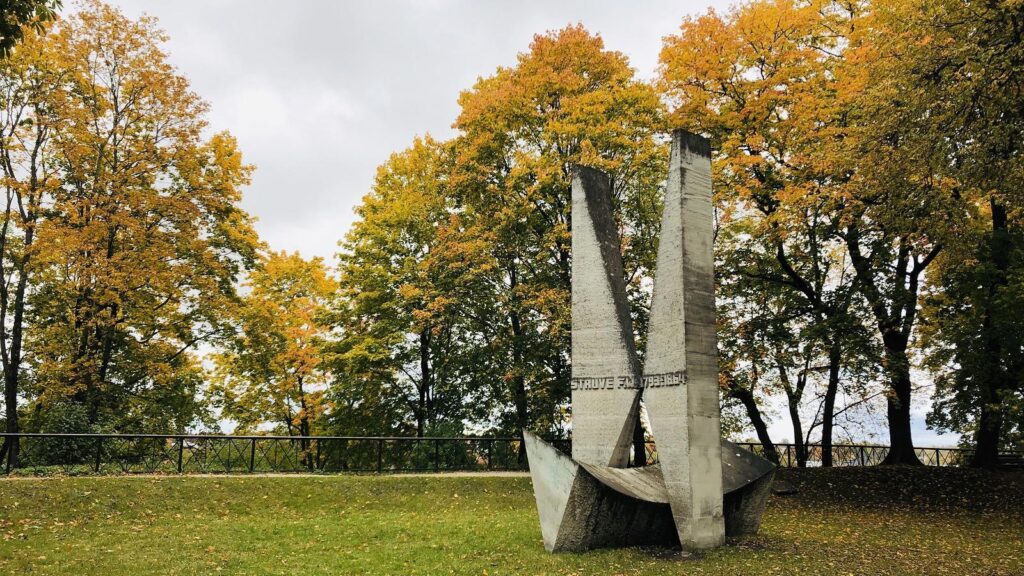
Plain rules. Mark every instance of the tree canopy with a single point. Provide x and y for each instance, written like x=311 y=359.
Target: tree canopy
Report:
x=868 y=181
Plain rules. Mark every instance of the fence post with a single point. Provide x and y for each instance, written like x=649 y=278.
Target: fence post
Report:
x=99 y=452
x=437 y=455
x=863 y=459
x=380 y=455
x=10 y=451
x=789 y=456
x=490 y=451
x=252 y=456
x=938 y=458
x=181 y=454
x=316 y=463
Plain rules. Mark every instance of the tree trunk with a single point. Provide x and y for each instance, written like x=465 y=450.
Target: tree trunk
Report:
x=519 y=383
x=990 y=424
x=28 y=206
x=11 y=444
x=793 y=397
x=423 y=409
x=793 y=405
x=304 y=425
x=12 y=372
x=901 y=441
x=746 y=397
x=993 y=377
x=835 y=357
x=895 y=320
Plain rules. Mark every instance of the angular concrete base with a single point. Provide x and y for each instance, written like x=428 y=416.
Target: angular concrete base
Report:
x=579 y=512
x=583 y=506
x=746 y=482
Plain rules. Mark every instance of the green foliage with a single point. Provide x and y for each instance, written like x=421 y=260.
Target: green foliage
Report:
x=567 y=101
x=941 y=96
x=406 y=278
x=16 y=15
x=958 y=65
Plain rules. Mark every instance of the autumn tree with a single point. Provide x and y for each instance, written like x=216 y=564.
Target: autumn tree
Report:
x=744 y=354
x=29 y=177
x=566 y=101
x=759 y=81
x=403 y=307
x=272 y=372
x=897 y=201
x=125 y=238
x=952 y=71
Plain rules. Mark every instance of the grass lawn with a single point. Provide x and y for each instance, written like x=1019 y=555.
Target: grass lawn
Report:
x=843 y=521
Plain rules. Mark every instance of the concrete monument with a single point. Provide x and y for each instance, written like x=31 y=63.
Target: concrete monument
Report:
x=703 y=488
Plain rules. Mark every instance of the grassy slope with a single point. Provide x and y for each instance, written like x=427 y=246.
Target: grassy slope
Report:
x=842 y=522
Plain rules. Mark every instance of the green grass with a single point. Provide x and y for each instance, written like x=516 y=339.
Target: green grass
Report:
x=841 y=522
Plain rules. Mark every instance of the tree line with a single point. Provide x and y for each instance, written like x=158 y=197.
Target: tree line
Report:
x=867 y=177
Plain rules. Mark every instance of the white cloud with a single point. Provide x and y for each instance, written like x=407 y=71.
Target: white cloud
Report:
x=320 y=93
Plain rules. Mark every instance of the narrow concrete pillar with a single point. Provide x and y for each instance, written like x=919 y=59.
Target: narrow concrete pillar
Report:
x=605 y=370
x=681 y=371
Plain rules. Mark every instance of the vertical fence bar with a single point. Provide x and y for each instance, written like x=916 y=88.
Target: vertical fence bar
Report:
x=863 y=459
x=316 y=463
x=437 y=455
x=252 y=456
x=938 y=459
x=181 y=454
x=99 y=453
x=10 y=451
x=490 y=452
x=380 y=455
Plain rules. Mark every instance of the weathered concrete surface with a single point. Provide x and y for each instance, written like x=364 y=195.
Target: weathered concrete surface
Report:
x=590 y=514
x=553 y=475
x=746 y=481
x=744 y=506
x=599 y=517
x=644 y=483
x=704 y=487
x=585 y=506
x=681 y=371
x=605 y=371
x=741 y=467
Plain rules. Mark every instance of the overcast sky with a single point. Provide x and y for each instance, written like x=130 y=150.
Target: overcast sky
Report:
x=319 y=93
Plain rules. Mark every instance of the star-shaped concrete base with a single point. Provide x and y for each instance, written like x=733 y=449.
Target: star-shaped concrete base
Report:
x=582 y=506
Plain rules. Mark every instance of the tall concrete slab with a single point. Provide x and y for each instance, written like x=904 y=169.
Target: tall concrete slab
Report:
x=605 y=370
x=681 y=371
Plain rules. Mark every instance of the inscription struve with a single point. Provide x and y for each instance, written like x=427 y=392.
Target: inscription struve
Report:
x=677 y=378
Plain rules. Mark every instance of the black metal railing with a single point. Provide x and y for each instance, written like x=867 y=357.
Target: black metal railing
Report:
x=206 y=454
x=42 y=454
x=861 y=454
